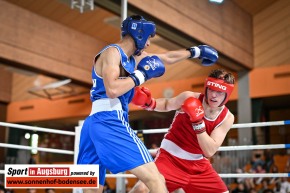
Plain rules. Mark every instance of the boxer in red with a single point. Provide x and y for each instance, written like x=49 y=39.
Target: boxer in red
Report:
x=197 y=131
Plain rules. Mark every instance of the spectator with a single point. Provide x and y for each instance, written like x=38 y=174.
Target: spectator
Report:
x=241 y=188
x=31 y=190
x=265 y=186
x=259 y=170
x=277 y=188
x=2 y=189
x=269 y=159
x=49 y=190
x=285 y=185
x=248 y=182
x=33 y=159
x=257 y=159
x=274 y=169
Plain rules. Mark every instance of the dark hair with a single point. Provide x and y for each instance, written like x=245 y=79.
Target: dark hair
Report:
x=223 y=75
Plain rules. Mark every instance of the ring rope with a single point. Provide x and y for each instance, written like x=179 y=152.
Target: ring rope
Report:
x=224 y=148
x=34 y=128
x=147 y=131
x=235 y=126
x=245 y=175
x=245 y=147
x=251 y=147
x=37 y=148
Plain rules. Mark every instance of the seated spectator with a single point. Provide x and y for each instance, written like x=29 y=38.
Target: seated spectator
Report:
x=257 y=159
x=274 y=169
x=265 y=186
x=241 y=188
x=31 y=190
x=285 y=185
x=2 y=189
x=49 y=190
x=277 y=188
x=269 y=159
x=259 y=170
x=240 y=180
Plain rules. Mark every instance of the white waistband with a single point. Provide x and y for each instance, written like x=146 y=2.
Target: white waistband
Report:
x=106 y=105
x=175 y=150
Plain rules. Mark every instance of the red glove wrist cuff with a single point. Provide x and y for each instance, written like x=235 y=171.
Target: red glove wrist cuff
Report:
x=151 y=106
x=199 y=127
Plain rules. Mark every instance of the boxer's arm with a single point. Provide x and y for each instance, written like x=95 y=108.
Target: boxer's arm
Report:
x=109 y=61
x=208 y=55
x=210 y=144
x=172 y=57
x=170 y=104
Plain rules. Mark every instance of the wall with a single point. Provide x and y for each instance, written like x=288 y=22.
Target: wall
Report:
x=36 y=43
x=227 y=28
x=272 y=35
x=5 y=85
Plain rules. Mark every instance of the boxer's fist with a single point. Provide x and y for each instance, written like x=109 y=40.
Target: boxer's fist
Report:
x=193 y=108
x=149 y=67
x=142 y=98
x=207 y=54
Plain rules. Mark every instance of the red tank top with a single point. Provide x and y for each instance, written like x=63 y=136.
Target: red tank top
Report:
x=182 y=134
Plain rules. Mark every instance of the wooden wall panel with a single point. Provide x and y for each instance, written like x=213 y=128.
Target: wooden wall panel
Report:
x=272 y=35
x=42 y=44
x=270 y=81
x=88 y=22
x=225 y=27
x=43 y=109
x=264 y=82
x=5 y=85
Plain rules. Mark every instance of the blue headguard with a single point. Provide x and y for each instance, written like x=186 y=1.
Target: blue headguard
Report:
x=139 y=29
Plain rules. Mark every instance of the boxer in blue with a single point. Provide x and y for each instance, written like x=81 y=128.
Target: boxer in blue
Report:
x=106 y=136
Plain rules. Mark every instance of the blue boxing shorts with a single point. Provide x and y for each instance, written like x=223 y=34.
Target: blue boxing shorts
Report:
x=108 y=140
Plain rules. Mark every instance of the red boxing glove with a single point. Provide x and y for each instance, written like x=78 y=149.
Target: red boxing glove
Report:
x=142 y=98
x=193 y=107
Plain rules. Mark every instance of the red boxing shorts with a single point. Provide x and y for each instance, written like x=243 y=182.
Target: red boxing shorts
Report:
x=196 y=176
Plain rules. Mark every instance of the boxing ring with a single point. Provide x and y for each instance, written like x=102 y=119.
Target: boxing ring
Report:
x=152 y=131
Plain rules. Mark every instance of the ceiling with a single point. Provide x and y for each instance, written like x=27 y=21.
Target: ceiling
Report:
x=104 y=25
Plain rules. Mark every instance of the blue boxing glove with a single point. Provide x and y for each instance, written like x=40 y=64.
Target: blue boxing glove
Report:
x=149 y=67
x=207 y=54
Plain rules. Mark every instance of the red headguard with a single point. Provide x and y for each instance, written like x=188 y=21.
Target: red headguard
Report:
x=218 y=85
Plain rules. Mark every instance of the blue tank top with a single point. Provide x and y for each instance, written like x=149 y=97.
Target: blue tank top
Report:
x=98 y=90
